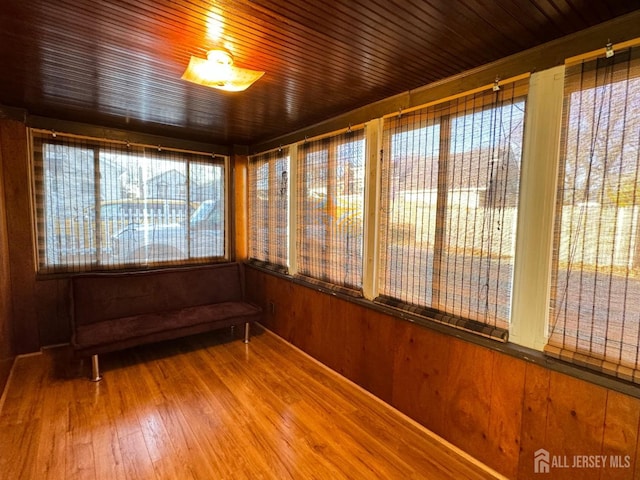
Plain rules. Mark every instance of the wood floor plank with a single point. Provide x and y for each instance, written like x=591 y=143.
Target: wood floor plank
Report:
x=279 y=424
x=107 y=454
x=17 y=443
x=366 y=421
x=210 y=407
x=137 y=462
x=50 y=460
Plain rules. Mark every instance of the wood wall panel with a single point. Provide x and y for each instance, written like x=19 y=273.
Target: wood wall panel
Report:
x=575 y=421
x=620 y=433
x=498 y=408
x=349 y=349
x=329 y=332
x=505 y=414
x=636 y=469
x=15 y=160
x=7 y=354
x=304 y=311
x=468 y=397
x=40 y=308
x=421 y=377
x=321 y=330
x=534 y=414
x=375 y=345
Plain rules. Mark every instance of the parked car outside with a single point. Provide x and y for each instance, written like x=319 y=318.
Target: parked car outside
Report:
x=85 y=237
x=201 y=237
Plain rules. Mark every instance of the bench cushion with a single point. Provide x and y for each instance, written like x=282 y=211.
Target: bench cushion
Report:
x=116 y=311
x=99 y=297
x=110 y=331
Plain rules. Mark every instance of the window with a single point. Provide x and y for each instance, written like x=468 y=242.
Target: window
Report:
x=269 y=208
x=595 y=304
x=330 y=209
x=449 y=197
x=105 y=205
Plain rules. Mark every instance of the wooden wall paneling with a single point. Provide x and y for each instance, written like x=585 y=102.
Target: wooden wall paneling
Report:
x=349 y=351
x=265 y=290
x=320 y=322
x=620 y=440
x=421 y=376
x=636 y=469
x=575 y=422
x=534 y=414
x=277 y=291
x=380 y=337
x=7 y=354
x=281 y=294
x=15 y=154
x=286 y=306
x=255 y=288
x=255 y=281
x=505 y=415
x=468 y=396
x=309 y=321
x=332 y=327
x=304 y=307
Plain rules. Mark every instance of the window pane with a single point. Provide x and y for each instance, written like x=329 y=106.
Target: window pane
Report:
x=410 y=190
x=207 y=221
x=69 y=199
x=596 y=290
x=330 y=211
x=104 y=205
x=269 y=208
x=481 y=210
x=450 y=179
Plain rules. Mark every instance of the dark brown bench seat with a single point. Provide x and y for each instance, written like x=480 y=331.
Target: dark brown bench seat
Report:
x=114 y=311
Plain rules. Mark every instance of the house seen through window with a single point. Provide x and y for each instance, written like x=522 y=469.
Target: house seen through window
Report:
x=107 y=205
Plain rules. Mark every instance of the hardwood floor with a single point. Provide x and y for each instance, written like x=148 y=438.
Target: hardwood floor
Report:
x=209 y=407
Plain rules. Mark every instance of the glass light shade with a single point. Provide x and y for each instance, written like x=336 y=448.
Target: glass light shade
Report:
x=218 y=71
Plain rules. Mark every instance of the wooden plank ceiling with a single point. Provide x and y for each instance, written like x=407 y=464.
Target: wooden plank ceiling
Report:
x=118 y=63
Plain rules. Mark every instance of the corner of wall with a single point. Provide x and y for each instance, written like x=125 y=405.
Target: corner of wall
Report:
x=7 y=349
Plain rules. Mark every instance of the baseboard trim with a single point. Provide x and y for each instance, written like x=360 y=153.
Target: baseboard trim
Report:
x=11 y=374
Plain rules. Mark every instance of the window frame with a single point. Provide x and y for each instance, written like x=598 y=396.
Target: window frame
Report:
x=283 y=188
x=442 y=115
x=95 y=262
x=334 y=141
x=554 y=347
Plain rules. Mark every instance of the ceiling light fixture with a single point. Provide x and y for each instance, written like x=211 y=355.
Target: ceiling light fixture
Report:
x=218 y=71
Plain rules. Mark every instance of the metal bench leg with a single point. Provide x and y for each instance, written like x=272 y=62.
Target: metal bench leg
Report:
x=95 y=369
x=247 y=328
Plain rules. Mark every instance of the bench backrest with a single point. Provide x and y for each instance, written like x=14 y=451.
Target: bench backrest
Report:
x=100 y=297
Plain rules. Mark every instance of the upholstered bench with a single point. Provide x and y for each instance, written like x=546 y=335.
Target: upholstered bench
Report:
x=114 y=311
